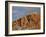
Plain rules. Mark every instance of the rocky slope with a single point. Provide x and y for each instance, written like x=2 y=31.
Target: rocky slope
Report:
x=27 y=22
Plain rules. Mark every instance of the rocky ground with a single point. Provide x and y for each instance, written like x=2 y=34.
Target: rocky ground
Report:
x=27 y=22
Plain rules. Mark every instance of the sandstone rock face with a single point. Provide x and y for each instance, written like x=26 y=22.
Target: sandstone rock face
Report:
x=27 y=22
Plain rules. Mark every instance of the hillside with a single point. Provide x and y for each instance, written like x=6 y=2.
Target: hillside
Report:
x=27 y=22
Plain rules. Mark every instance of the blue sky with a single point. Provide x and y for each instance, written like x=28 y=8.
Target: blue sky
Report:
x=21 y=11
